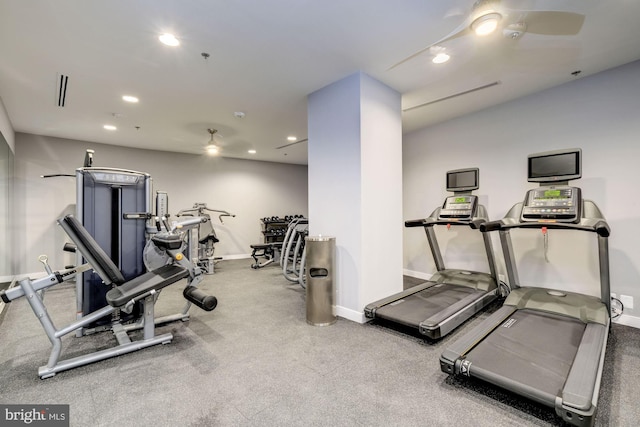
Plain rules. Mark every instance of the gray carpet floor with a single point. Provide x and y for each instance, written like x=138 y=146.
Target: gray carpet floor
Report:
x=254 y=361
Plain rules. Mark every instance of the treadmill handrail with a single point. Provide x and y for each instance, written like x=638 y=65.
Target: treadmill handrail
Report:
x=430 y=222
x=592 y=225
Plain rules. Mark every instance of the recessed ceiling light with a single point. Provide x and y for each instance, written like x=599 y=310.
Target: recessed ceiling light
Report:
x=440 y=58
x=169 y=39
x=129 y=98
x=292 y=138
x=109 y=127
x=251 y=151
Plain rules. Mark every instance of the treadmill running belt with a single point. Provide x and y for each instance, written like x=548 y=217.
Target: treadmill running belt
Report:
x=418 y=307
x=532 y=348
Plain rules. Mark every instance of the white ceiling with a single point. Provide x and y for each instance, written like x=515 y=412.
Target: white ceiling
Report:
x=266 y=57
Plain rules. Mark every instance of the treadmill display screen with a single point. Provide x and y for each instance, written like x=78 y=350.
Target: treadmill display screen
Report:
x=563 y=165
x=561 y=204
x=463 y=179
x=458 y=208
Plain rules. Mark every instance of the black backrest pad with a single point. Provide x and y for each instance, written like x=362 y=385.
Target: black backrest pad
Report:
x=91 y=251
x=139 y=286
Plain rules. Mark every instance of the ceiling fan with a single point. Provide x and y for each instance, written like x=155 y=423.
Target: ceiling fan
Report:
x=487 y=16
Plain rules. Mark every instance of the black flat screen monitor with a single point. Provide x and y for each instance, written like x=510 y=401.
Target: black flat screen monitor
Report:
x=463 y=179
x=553 y=166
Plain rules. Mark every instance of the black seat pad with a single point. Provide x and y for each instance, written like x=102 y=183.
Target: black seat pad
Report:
x=261 y=246
x=156 y=279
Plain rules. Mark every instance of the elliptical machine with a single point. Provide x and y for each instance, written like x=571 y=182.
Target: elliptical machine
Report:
x=294 y=251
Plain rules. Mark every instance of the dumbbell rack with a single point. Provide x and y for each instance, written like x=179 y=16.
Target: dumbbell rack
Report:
x=274 y=228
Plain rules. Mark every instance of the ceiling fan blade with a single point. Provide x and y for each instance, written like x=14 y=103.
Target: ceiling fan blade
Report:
x=552 y=23
x=460 y=31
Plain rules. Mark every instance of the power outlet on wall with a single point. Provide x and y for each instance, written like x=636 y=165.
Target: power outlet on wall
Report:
x=627 y=301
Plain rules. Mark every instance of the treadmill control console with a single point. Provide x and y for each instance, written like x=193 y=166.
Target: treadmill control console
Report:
x=458 y=208
x=552 y=204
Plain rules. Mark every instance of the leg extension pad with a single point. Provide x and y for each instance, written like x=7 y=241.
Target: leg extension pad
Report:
x=199 y=298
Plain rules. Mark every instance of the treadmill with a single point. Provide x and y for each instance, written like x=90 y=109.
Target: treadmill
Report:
x=545 y=344
x=451 y=296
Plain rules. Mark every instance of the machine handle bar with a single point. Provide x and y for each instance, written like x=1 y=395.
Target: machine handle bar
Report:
x=600 y=227
x=198 y=208
x=185 y=223
x=427 y=222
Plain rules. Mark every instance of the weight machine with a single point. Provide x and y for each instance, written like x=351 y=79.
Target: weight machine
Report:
x=123 y=294
x=206 y=236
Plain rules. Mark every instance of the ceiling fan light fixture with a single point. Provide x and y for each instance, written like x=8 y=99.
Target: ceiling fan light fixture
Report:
x=212 y=148
x=486 y=24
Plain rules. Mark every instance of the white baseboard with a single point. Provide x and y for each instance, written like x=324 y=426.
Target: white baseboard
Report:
x=417 y=274
x=627 y=320
x=237 y=256
x=349 y=314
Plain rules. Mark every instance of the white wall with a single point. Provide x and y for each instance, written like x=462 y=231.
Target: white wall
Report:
x=599 y=114
x=6 y=171
x=381 y=196
x=354 y=129
x=249 y=189
x=5 y=127
x=335 y=179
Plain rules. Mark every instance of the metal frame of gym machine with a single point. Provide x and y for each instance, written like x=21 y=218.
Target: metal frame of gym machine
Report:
x=293 y=253
x=122 y=296
x=206 y=236
x=545 y=344
x=100 y=208
x=116 y=218
x=439 y=305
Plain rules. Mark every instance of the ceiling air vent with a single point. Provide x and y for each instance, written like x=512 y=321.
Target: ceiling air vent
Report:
x=293 y=143
x=61 y=89
x=455 y=95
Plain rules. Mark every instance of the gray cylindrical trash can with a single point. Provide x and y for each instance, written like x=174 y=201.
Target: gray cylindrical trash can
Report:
x=320 y=263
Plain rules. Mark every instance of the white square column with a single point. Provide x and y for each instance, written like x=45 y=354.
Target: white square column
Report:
x=355 y=187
